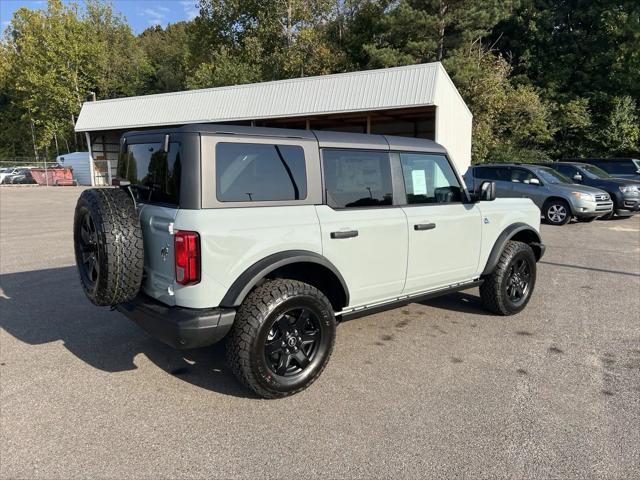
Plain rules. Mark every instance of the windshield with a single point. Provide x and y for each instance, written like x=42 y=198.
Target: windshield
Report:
x=594 y=172
x=551 y=176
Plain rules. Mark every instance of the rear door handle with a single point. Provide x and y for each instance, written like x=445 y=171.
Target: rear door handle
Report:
x=424 y=226
x=344 y=234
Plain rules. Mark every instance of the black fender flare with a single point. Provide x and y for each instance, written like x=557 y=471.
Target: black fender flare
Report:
x=506 y=235
x=248 y=279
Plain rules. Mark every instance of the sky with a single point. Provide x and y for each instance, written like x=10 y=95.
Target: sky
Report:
x=140 y=14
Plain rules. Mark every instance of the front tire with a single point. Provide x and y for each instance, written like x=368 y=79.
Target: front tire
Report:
x=608 y=216
x=507 y=290
x=282 y=338
x=557 y=212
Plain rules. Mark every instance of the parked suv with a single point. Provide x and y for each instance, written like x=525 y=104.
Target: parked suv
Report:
x=616 y=167
x=558 y=198
x=625 y=193
x=267 y=237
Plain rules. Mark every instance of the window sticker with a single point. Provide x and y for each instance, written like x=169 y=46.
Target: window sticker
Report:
x=419 y=181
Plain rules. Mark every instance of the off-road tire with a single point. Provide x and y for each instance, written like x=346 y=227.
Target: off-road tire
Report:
x=493 y=291
x=117 y=246
x=254 y=320
x=559 y=203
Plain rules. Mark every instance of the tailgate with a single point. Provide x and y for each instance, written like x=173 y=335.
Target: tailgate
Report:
x=159 y=268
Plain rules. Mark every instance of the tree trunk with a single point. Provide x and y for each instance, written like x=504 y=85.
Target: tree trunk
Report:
x=441 y=29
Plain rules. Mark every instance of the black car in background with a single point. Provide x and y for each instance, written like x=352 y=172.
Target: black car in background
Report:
x=616 y=167
x=625 y=193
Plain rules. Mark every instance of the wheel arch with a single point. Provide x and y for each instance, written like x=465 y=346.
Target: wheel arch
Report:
x=520 y=232
x=556 y=198
x=303 y=265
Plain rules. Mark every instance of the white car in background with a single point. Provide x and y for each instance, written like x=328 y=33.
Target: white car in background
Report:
x=6 y=173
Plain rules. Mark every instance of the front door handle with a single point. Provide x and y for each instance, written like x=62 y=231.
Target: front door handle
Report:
x=344 y=234
x=424 y=226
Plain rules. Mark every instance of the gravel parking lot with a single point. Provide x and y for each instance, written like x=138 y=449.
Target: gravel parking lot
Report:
x=439 y=389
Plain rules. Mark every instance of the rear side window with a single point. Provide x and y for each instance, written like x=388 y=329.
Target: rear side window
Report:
x=618 y=167
x=252 y=172
x=492 y=173
x=429 y=179
x=154 y=174
x=357 y=178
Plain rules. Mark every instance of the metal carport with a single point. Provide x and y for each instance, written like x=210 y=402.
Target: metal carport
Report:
x=415 y=101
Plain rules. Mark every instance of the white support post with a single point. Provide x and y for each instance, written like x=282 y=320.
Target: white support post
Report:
x=92 y=172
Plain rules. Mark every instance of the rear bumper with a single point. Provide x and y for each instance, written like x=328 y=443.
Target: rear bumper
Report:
x=179 y=327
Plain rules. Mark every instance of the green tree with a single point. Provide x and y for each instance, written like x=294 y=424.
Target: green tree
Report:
x=510 y=123
x=621 y=132
x=585 y=56
x=167 y=53
x=55 y=57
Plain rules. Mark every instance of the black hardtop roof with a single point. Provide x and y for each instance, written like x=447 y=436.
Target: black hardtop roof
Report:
x=325 y=138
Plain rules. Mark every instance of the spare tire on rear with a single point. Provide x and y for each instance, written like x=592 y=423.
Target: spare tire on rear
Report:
x=108 y=245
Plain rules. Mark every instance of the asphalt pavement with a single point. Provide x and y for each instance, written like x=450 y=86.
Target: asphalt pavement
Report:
x=434 y=390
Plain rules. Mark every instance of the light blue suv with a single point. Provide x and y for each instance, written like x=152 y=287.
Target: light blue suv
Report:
x=557 y=197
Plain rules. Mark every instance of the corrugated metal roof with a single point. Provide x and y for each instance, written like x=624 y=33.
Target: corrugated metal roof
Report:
x=413 y=85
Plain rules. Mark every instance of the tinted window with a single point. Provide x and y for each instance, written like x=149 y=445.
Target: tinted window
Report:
x=520 y=175
x=250 y=172
x=429 y=179
x=355 y=178
x=551 y=176
x=154 y=174
x=492 y=173
x=594 y=172
x=567 y=170
x=618 y=167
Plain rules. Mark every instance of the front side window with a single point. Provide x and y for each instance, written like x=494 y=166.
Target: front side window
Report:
x=549 y=175
x=520 y=175
x=429 y=179
x=153 y=173
x=567 y=170
x=594 y=172
x=251 y=172
x=357 y=178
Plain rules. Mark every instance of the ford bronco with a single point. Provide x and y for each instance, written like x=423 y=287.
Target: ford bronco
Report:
x=268 y=237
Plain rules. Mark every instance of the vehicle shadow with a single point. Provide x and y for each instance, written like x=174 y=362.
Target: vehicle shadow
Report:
x=46 y=306
x=458 y=302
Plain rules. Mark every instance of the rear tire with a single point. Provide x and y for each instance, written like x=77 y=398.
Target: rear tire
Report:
x=282 y=338
x=108 y=246
x=557 y=212
x=508 y=288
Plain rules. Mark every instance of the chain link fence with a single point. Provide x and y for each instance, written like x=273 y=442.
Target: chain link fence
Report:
x=38 y=171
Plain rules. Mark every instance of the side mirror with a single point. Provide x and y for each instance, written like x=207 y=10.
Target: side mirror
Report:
x=577 y=177
x=487 y=191
x=534 y=181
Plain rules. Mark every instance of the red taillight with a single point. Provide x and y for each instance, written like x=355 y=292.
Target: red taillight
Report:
x=187 y=253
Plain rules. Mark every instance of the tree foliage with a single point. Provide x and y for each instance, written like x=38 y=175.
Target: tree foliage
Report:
x=544 y=79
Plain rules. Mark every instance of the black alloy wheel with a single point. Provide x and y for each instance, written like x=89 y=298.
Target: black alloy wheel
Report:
x=87 y=246
x=518 y=281
x=292 y=342
x=282 y=337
